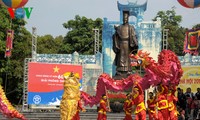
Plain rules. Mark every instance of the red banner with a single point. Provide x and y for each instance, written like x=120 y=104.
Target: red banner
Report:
x=9 y=43
x=49 y=77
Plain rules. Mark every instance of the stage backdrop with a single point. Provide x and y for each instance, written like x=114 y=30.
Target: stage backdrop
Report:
x=45 y=82
x=190 y=78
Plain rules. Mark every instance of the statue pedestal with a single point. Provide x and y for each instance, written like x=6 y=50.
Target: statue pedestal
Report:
x=120 y=76
x=116 y=106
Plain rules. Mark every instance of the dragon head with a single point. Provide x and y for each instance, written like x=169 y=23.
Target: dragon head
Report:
x=140 y=59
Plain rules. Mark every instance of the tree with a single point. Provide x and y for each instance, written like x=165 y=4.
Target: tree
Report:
x=80 y=36
x=47 y=44
x=4 y=24
x=11 y=69
x=171 y=21
x=197 y=26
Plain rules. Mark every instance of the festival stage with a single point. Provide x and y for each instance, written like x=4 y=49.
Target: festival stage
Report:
x=56 y=116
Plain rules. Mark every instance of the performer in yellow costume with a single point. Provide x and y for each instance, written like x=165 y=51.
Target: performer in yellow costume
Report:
x=71 y=96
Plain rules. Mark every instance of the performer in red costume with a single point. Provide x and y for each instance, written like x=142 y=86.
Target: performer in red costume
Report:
x=138 y=100
x=162 y=102
x=103 y=108
x=79 y=108
x=128 y=107
x=172 y=99
x=151 y=107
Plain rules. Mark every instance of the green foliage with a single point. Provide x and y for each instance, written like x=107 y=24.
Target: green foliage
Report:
x=11 y=69
x=47 y=44
x=121 y=100
x=171 y=21
x=80 y=37
x=197 y=26
x=4 y=25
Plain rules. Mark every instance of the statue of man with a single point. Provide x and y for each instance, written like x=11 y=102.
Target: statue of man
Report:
x=124 y=43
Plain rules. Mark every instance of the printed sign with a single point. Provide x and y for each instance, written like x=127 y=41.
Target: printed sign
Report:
x=45 y=82
x=190 y=78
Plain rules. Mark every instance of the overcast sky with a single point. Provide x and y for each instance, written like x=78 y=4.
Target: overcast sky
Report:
x=49 y=15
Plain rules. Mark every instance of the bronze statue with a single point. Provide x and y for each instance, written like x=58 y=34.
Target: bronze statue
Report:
x=124 y=43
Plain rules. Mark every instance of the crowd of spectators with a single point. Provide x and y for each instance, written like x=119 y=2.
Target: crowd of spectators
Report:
x=188 y=104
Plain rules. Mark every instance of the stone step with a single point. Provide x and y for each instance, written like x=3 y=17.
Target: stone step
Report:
x=56 y=116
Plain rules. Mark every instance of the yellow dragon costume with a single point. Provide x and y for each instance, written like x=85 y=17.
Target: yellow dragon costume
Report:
x=71 y=95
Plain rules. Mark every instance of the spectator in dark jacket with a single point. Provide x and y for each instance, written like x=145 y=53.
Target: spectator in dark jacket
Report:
x=181 y=99
x=188 y=106
x=189 y=92
x=198 y=94
x=194 y=108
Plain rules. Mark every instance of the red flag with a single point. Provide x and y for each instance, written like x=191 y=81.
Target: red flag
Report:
x=9 y=43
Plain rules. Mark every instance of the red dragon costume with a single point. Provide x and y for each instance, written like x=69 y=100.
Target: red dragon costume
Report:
x=79 y=108
x=103 y=108
x=166 y=70
x=172 y=99
x=162 y=102
x=128 y=107
x=151 y=107
x=138 y=100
